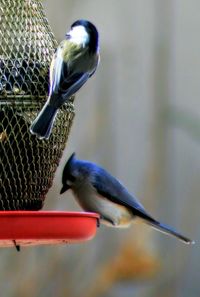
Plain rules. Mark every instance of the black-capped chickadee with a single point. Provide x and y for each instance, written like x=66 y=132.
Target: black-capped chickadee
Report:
x=98 y=191
x=74 y=61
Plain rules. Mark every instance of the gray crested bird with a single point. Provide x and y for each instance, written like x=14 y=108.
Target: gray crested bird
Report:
x=73 y=63
x=98 y=191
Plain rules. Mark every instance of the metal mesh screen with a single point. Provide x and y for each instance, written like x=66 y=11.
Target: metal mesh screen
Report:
x=27 y=164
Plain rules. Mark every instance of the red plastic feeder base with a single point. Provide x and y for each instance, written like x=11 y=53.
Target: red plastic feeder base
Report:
x=22 y=228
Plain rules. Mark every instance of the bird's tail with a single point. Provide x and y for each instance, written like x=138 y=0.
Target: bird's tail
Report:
x=170 y=231
x=163 y=227
x=43 y=123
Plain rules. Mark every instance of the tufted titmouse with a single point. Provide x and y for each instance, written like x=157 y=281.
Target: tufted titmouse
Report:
x=98 y=191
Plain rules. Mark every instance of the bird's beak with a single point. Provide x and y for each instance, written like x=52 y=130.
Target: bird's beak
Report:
x=65 y=187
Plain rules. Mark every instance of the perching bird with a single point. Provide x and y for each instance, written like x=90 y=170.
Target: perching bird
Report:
x=74 y=61
x=98 y=191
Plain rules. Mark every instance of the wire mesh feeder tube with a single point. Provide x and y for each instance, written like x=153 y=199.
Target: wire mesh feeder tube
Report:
x=27 y=164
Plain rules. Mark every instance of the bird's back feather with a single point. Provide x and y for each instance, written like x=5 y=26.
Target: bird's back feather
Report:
x=108 y=186
x=70 y=69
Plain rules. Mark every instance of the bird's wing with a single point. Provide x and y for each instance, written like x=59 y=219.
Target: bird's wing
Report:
x=56 y=70
x=73 y=83
x=109 y=187
x=63 y=80
x=97 y=63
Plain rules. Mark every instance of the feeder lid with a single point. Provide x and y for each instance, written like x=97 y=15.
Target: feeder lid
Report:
x=23 y=228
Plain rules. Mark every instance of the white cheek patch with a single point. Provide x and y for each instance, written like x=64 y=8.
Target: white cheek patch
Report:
x=79 y=35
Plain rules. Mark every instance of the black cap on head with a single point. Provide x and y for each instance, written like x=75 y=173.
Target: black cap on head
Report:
x=92 y=32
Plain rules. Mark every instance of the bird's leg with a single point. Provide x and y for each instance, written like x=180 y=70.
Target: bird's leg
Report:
x=108 y=221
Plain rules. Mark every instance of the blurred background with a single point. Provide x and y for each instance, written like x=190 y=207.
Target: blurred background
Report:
x=139 y=117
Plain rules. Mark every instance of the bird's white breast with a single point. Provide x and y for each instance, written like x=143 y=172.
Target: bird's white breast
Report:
x=90 y=200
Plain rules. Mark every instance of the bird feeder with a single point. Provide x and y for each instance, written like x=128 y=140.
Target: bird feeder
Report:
x=27 y=164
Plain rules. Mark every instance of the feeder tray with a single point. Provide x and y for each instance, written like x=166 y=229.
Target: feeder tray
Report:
x=25 y=228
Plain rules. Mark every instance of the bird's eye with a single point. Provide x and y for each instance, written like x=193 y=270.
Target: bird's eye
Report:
x=71 y=178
